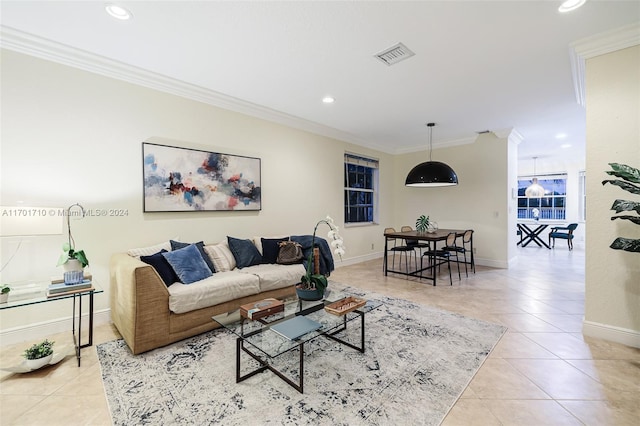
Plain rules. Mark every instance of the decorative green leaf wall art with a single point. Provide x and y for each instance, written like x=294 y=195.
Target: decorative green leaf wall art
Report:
x=630 y=182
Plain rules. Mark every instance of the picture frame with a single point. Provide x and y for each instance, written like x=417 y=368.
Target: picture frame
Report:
x=177 y=179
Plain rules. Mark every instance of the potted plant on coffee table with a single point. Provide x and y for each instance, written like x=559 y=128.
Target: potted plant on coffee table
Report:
x=312 y=286
x=39 y=355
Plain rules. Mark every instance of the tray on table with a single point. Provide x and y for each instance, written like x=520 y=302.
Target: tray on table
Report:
x=346 y=305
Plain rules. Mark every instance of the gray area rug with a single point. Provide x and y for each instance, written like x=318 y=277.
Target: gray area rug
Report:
x=418 y=361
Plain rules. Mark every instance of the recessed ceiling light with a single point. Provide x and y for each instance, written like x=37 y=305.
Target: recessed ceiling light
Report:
x=328 y=99
x=569 y=5
x=118 y=12
x=561 y=135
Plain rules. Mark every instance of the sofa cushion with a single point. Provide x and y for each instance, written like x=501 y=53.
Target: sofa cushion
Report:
x=188 y=264
x=221 y=256
x=274 y=276
x=219 y=288
x=270 y=249
x=175 y=245
x=148 y=251
x=161 y=265
x=244 y=251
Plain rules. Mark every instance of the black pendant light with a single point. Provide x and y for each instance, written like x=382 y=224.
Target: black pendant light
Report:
x=431 y=173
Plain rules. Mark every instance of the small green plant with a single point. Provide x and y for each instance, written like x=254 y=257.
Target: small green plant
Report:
x=39 y=350
x=422 y=223
x=5 y=289
x=68 y=253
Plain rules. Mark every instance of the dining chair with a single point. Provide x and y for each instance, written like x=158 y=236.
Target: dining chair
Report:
x=437 y=257
x=467 y=246
x=401 y=248
x=563 y=232
x=453 y=249
x=414 y=243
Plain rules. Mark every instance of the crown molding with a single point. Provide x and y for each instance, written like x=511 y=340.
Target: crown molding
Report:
x=599 y=44
x=32 y=45
x=511 y=134
x=443 y=144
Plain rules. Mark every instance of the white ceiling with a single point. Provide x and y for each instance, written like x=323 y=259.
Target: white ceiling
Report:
x=478 y=65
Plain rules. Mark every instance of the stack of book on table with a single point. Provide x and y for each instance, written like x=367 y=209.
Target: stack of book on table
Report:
x=60 y=288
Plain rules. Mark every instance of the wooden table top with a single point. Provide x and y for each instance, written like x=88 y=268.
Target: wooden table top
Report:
x=440 y=234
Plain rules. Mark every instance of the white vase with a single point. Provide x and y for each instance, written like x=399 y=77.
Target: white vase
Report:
x=72 y=265
x=73 y=271
x=34 y=364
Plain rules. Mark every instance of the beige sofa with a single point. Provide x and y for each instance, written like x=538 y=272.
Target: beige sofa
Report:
x=140 y=301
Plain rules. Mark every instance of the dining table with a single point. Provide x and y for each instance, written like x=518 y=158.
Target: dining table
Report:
x=429 y=237
x=529 y=235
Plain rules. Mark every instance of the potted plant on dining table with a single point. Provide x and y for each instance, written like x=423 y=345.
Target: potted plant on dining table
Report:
x=424 y=224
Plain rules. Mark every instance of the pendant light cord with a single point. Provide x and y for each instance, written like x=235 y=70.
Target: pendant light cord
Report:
x=430 y=126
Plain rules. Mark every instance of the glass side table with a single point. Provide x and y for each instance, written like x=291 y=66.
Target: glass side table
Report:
x=31 y=294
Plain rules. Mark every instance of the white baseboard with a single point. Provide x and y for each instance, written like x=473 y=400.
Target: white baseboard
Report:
x=614 y=334
x=47 y=328
x=359 y=259
x=492 y=263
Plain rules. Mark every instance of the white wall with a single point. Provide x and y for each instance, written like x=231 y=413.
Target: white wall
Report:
x=72 y=136
x=613 y=136
x=479 y=201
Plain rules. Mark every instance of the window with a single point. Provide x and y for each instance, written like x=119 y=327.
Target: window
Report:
x=360 y=189
x=551 y=206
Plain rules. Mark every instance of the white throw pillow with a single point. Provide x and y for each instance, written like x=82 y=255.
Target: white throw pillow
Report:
x=221 y=256
x=148 y=251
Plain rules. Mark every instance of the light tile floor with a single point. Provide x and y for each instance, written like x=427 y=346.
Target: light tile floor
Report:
x=542 y=372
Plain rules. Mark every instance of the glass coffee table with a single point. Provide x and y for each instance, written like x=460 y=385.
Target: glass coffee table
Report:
x=260 y=342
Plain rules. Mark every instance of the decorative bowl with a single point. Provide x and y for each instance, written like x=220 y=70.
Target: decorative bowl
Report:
x=34 y=364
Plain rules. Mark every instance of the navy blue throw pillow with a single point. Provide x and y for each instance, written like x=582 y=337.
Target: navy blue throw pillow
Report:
x=163 y=268
x=175 y=245
x=245 y=252
x=270 y=249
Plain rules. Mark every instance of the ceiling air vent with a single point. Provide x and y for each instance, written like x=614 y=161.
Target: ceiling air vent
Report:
x=394 y=54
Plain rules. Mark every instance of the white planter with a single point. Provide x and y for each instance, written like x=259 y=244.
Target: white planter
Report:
x=34 y=364
x=73 y=271
x=4 y=297
x=72 y=265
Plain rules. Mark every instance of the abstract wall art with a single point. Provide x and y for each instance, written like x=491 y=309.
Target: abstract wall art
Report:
x=184 y=180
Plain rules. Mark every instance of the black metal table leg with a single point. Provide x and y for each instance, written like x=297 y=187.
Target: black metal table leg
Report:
x=299 y=386
x=77 y=339
x=265 y=366
x=332 y=335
